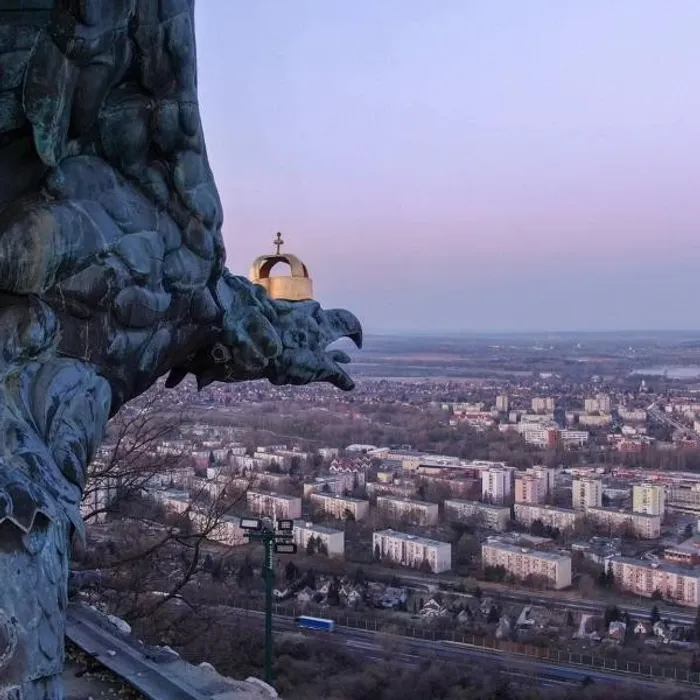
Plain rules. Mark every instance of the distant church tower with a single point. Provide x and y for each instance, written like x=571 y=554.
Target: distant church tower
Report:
x=295 y=287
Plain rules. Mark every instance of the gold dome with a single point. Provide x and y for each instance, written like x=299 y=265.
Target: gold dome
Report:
x=294 y=287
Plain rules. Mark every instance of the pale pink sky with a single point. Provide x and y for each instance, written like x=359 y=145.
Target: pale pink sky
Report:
x=464 y=164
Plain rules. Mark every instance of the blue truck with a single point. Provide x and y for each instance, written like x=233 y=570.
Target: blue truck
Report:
x=315 y=623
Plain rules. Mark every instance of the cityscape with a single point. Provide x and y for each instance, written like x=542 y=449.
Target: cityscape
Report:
x=349 y=350
x=528 y=512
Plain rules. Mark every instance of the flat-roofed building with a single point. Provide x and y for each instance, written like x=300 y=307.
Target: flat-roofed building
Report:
x=275 y=505
x=530 y=489
x=333 y=539
x=177 y=501
x=649 y=499
x=642 y=577
x=549 y=516
x=647 y=527
x=340 y=506
x=523 y=563
x=324 y=484
x=412 y=551
x=490 y=516
x=586 y=493
x=408 y=510
x=224 y=529
x=497 y=484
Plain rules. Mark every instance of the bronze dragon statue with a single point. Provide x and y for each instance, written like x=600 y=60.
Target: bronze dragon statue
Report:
x=112 y=274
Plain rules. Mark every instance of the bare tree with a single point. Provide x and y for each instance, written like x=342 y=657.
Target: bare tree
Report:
x=131 y=458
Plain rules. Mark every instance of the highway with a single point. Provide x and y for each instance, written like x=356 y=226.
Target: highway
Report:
x=372 y=646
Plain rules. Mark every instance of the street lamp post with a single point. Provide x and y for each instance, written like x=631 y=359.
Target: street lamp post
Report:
x=275 y=541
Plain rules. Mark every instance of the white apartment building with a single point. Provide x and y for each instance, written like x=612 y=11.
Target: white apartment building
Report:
x=521 y=562
x=493 y=517
x=649 y=499
x=599 y=404
x=644 y=577
x=543 y=404
x=683 y=498
x=502 y=403
x=274 y=505
x=632 y=415
x=561 y=518
x=545 y=473
x=177 y=501
x=324 y=484
x=571 y=438
x=332 y=538
x=404 y=509
x=410 y=550
x=340 y=506
x=586 y=493
x=545 y=435
x=530 y=489
x=647 y=527
x=595 y=421
x=496 y=484
x=224 y=529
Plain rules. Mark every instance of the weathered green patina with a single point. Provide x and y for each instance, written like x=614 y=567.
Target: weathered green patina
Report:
x=112 y=274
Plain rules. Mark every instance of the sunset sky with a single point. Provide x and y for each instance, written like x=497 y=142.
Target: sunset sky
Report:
x=464 y=165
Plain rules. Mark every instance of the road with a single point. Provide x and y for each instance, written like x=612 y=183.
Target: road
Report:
x=412 y=652
x=662 y=417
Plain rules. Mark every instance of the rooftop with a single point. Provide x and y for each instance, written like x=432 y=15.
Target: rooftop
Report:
x=321 y=529
x=411 y=538
x=349 y=499
x=622 y=511
x=659 y=566
x=477 y=504
x=272 y=494
x=412 y=501
x=551 y=556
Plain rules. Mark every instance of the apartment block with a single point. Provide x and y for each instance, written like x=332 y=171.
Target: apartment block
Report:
x=571 y=438
x=324 y=484
x=586 y=493
x=412 y=551
x=561 y=518
x=493 y=517
x=521 y=563
x=496 y=484
x=332 y=538
x=649 y=499
x=647 y=527
x=530 y=489
x=643 y=578
x=408 y=510
x=502 y=403
x=544 y=473
x=224 y=529
x=340 y=506
x=177 y=501
x=683 y=498
x=543 y=404
x=274 y=505
x=598 y=404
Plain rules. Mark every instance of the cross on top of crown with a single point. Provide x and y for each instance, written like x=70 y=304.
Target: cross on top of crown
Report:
x=278 y=242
